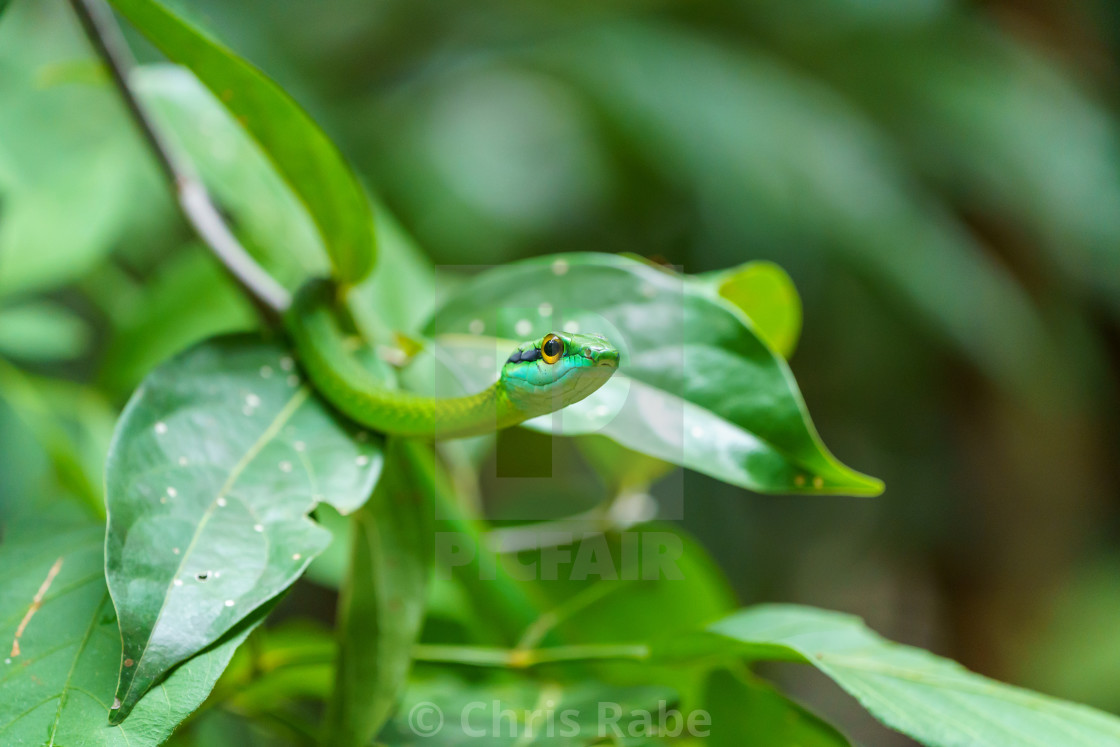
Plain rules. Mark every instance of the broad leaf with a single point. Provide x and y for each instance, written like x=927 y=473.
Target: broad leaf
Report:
x=934 y=700
x=62 y=647
x=216 y=461
x=766 y=294
x=382 y=604
x=696 y=386
x=747 y=711
x=301 y=152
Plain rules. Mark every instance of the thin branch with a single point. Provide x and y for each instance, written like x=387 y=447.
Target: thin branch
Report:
x=194 y=201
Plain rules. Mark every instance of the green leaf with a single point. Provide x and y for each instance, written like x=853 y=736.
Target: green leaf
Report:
x=58 y=688
x=262 y=209
x=42 y=331
x=307 y=159
x=215 y=463
x=766 y=294
x=933 y=700
x=382 y=603
x=465 y=714
x=748 y=711
x=696 y=387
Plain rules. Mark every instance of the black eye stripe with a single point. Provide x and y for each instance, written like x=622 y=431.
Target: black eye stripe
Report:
x=525 y=356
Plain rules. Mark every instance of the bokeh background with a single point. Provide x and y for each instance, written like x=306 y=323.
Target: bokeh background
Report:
x=941 y=180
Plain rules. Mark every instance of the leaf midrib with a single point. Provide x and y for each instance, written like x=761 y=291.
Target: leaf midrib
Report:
x=285 y=414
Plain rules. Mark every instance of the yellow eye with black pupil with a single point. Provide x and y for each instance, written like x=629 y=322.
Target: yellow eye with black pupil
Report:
x=552 y=348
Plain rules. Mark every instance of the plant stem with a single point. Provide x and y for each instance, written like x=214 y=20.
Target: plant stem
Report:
x=193 y=199
x=486 y=656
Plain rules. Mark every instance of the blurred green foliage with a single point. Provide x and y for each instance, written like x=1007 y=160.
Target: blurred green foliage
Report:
x=940 y=179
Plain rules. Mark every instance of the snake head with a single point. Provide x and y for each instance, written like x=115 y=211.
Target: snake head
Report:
x=544 y=375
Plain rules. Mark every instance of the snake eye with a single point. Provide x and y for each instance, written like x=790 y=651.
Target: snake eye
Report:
x=552 y=348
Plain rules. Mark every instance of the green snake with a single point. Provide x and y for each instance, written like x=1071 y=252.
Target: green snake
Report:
x=539 y=377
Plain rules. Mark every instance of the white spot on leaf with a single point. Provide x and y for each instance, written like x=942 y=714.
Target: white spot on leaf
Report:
x=571 y=327
x=545 y=309
x=560 y=267
x=285 y=466
x=161 y=428
x=523 y=327
x=476 y=327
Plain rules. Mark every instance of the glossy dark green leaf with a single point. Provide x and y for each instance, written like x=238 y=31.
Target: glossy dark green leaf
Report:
x=747 y=712
x=62 y=647
x=301 y=152
x=766 y=294
x=216 y=461
x=933 y=700
x=696 y=386
x=382 y=604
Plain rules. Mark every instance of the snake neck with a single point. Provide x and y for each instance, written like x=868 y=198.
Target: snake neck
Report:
x=320 y=344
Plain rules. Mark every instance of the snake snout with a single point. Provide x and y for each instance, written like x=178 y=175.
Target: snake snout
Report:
x=602 y=355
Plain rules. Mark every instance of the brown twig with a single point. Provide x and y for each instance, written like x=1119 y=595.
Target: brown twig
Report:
x=193 y=199
x=36 y=603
